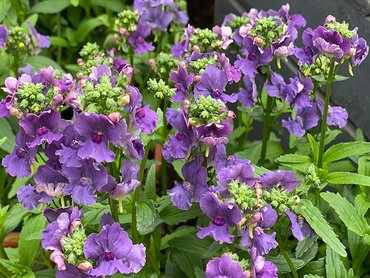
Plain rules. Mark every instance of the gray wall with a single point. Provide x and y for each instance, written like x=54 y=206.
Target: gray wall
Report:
x=353 y=94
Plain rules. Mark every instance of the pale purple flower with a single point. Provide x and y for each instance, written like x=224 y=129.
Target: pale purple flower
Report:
x=29 y=197
x=193 y=187
x=213 y=83
x=224 y=33
x=361 y=50
x=113 y=251
x=223 y=216
x=240 y=171
x=262 y=268
x=39 y=41
x=224 y=267
x=233 y=73
x=305 y=119
x=51 y=182
x=72 y=271
x=137 y=39
x=300 y=228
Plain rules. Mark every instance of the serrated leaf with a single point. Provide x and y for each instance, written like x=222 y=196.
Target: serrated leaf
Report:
x=147 y=217
x=347 y=213
x=50 y=6
x=362 y=203
x=343 y=150
x=295 y=161
x=317 y=222
x=348 y=178
x=28 y=248
x=282 y=264
x=150 y=183
x=334 y=266
x=180 y=232
x=172 y=215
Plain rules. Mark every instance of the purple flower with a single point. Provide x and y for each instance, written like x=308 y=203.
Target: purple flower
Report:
x=156 y=18
x=85 y=181
x=65 y=224
x=114 y=252
x=224 y=33
x=305 y=119
x=214 y=134
x=233 y=73
x=39 y=41
x=50 y=182
x=68 y=150
x=299 y=226
x=137 y=39
x=284 y=179
x=361 y=51
x=29 y=197
x=224 y=267
x=213 y=83
x=337 y=116
x=254 y=235
x=241 y=171
x=145 y=119
x=3 y=35
x=262 y=268
x=182 y=81
x=254 y=57
x=178 y=145
x=27 y=69
x=247 y=95
x=129 y=173
x=194 y=186
x=72 y=272
x=19 y=162
x=97 y=131
x=47 y=127
x=223 y=215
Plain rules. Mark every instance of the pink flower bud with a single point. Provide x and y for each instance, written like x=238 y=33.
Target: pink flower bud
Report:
x=231 y=115
x=123 y=31
x=152 y=64
x=86 y=266
x=255 y=219
x=182 y=64
x=196 y=48
x=185 y=106
x=196 y=79
x=329 y=19
x=115 y=117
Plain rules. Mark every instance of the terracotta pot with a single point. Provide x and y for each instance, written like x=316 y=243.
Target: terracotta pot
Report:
x=11 y=240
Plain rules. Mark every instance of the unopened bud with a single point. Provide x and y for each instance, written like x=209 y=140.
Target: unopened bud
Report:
x=80 y=61
x=196 y=48
x=124 y=100
x=152 y=64
x=116 y=37
x=330 y=18
x=182 y=64
x=231 y=115
x=191 y=122
x=80 y=75
x=185 y=106
x=115 y=117
x=123 y=31
x=255 y=219
x=15 y=112
x=196 y=79
x=85 y=266
x=258 y=41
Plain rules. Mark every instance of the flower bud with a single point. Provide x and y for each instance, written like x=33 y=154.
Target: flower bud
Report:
x=182 y=64
x=124 y=100
x=196 y=79
x=196 y=48
x=231 y=115
x=85 y=266
x=123 y=31
x=255 y=219
x=115 y=117
x=330 y=18
x=152 y=64
x=185 y=106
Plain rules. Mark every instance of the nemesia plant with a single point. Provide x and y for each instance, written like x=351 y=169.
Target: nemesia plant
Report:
x=86 y=150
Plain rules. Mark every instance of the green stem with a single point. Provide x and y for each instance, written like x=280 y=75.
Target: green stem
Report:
x=136 y=196
x=3 y=254
x=113 y=209
x=164 y=165
x=266 y=129
x=59 y=53
x=286 y=257
x=324 y=124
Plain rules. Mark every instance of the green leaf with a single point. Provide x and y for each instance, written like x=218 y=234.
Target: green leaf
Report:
x=347 y=213
x=343 y=150
x=46 y=273
x=314 y=268
x=38 y=62
x=191 y=244
x=187 y=262
x=88 y=25
x=7 y=132
x=4 y=8
x=2 y=141
x=362 y=203
x=50 y=6
x=313 y=147
x=17 y=269
x=317 y=222
x=180 y=232
x=147 y=217
x=172 y=215
x=58 y=41
x=28 y=248
x=358 y=249
x=113 y=5
x=93 y=213
x=14 y=217
x=334 y=266
x=348 y=178
x=75 y=3
x=295 y=161
x=150 y=183
x=282 y=264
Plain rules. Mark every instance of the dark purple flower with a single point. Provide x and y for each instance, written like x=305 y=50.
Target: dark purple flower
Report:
x=182 y=81
x=145 y=119
x=262 y=268
x=241 y=171
x=97 y=131
x=194 y=186
x=361 y=51
x=330 y=42
x=305 y=119
x=65 y=224
x=224 y=267
x=47 y=127
x=178 y=145
x=39 y=41
x=300 y=228
x=284 y=179
x=247 y=95
x=214 y=134
x=254 y=235
x=137 y=39
x=306 y=54
x=213 y=83
x=68 y=150
x=114 y=252
x=3 y=35
x=233 y=73
x=223 y=215
x=156 y=18
x=19 y=162
x=85 y=181
x=29 y=197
